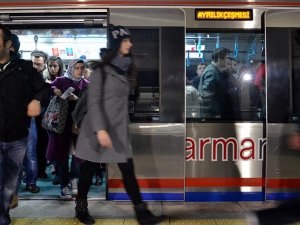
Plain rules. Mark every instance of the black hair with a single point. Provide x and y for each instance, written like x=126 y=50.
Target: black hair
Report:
x=220 y=53
x=15 y=42
x=7 y=35
x=60 y=64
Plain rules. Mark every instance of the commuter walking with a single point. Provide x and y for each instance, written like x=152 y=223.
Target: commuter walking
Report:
x=21 y=91
x=103 y=136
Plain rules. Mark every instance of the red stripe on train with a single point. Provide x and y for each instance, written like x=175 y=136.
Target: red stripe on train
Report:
x=210 y=182
x=149 y=183
x=283 y=183
x=224 y=182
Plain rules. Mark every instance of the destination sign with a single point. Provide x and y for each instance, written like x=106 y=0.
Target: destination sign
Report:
x=223 y=14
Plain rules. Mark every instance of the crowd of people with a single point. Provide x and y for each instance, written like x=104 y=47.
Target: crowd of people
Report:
x=26 y=148
x=226 y=89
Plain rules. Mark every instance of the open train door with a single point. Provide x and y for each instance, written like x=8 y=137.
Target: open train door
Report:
x=66 y=32
x=283 y=102
x=158 y=113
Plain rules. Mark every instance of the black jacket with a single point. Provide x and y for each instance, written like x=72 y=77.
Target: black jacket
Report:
x=19 y=84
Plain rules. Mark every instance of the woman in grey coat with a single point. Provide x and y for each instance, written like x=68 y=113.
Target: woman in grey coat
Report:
x=104 y=136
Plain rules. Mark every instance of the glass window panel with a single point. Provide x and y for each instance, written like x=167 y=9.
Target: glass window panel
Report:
x=221 y=85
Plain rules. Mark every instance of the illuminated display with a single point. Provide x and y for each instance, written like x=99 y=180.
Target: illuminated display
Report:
x=230 y=14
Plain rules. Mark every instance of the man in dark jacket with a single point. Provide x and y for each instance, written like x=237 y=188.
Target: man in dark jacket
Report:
x=211 y=86
x=21 y=91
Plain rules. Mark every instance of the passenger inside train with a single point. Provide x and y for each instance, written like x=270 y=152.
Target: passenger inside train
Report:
x=239 y=79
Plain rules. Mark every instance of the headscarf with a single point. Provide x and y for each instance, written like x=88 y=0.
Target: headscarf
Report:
x=69 y=73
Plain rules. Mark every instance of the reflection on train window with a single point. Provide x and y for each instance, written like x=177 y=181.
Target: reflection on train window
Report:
x=225 y=76
x=296 y=73
x=144 y=101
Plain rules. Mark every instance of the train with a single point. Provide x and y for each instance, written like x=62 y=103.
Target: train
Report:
x=179 y=154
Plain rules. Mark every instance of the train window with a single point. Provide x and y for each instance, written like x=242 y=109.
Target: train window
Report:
x=68 y=44
x=144 y=101
x=225 y=76
x=296 y=72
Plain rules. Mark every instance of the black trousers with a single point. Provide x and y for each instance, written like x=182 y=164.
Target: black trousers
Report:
x=88 y=169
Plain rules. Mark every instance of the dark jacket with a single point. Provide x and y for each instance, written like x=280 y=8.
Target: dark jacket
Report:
x=211 y=90
x=20 y=83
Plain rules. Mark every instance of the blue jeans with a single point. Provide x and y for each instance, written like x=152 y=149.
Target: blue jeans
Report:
x=11 y=160
x=30 y=160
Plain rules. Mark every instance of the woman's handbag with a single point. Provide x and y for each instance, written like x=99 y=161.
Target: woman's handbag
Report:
x=55 y=117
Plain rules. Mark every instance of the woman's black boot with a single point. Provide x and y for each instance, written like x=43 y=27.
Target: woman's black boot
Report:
x=145 y=217
x=82 y=213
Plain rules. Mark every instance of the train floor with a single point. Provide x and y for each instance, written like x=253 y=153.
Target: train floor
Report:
x=50 y=191
x=58 y=212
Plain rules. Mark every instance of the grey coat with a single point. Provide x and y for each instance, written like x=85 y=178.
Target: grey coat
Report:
x=107 y=110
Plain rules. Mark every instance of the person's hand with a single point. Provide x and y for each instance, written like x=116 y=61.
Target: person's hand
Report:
x=34 y=108
x=294 y=141
x=57 y=92
x=104 y=139
x=73 y=97
x=75 y=129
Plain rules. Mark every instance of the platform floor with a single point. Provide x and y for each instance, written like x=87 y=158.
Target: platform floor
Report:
x=56 y=212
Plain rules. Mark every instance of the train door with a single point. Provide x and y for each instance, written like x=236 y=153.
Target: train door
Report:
x=225 y=105
x=157 y=112
x=282 y=51
x=68 y=34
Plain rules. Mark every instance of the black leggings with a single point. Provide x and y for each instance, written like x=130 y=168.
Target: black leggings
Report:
x=88 y=169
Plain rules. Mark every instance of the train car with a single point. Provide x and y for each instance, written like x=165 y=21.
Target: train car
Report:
x=181 y=153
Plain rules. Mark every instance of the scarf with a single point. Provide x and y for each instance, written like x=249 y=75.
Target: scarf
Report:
x=122 y=62
x=69 y=73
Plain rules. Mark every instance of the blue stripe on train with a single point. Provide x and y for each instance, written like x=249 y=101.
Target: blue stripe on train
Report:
x=281 y=196
x=223 y=196
x=149 y=196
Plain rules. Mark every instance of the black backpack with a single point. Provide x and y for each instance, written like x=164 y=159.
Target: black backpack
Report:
x=81 y=106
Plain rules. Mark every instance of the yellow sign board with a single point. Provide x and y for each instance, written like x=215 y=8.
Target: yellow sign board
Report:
x=223 y=14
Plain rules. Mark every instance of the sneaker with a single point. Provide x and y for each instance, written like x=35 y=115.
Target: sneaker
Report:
x=74 y=185
x=65 y=193
x=32 y=188
x=15 y=202
x=53 y=171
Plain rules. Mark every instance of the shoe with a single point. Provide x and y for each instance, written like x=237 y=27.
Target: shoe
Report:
x=43 y=175
x=82 y=212
x=65 y=193
x=53 y=171
x=74 y=185
x=145 y=217
x=56 y=180
x=98 y=181
x=15 y=202
x=32 y=188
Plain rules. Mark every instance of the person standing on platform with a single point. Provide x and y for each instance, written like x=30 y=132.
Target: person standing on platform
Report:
x=103 y=136
x=21 y=91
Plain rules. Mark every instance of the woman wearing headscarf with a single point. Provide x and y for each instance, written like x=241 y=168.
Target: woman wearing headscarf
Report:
x=59 y=145
x=104 y=135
